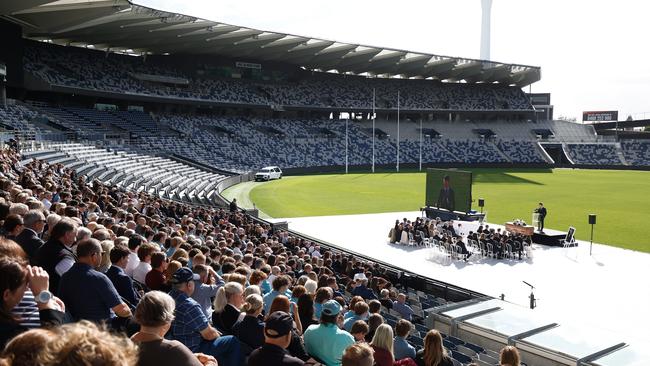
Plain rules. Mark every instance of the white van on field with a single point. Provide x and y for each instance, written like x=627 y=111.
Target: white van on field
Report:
x=268 y=173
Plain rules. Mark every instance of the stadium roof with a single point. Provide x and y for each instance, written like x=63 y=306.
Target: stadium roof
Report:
x=122 y=26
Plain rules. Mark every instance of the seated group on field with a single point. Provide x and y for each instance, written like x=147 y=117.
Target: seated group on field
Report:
x=496 y=243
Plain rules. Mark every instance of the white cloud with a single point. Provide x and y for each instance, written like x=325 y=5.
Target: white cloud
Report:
x=594 y=54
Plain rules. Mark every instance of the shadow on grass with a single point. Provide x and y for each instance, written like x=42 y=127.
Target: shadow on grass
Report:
x=496 y=176
x=502 y=178
x=480 y=175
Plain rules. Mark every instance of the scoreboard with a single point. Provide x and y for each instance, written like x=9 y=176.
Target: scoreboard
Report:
x=601 y=116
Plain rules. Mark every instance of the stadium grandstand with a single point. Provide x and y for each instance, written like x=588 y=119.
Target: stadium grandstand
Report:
x=121 y=125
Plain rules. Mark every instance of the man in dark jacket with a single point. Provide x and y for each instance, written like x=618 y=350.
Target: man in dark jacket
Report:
x=28 y=239
x=541 y=210
x=88 y=293
x=447 y=197
x=123 y=283
x=56 y=256
x=362 y=289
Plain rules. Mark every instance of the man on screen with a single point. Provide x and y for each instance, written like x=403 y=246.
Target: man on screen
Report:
x=541 y=210
x=446 y=198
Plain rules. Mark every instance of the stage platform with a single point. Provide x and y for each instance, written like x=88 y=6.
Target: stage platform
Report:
x=546 y=238
x=608 y=291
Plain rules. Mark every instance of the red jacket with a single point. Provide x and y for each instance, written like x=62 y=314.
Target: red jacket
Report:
x=382 y=357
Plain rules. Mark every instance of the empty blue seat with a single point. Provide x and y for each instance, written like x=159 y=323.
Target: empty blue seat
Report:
x=474 y=347
x=448 y=345
x=455 y=340
x=461 y=357
x=421 y=328
x=416 y=341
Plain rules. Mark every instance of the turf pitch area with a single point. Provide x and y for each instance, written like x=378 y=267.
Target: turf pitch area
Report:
x=619 y=198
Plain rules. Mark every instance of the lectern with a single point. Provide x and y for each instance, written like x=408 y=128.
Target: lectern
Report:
x=535 y=220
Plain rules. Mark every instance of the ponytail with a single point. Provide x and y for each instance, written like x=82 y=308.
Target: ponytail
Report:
x=253 y=303
x=220 y=300
x=224 y=292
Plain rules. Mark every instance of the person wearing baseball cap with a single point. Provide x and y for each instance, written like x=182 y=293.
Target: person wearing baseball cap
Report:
x=191 y=327
x=326 y=341
x=361 y=287
x=277 y=336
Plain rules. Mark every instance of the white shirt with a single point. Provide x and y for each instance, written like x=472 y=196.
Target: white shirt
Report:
x=271 y=278
x=133 y=262
x=64 y=265
x=140 y=272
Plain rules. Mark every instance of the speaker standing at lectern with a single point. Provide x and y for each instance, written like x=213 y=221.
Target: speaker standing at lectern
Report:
x=541 y=210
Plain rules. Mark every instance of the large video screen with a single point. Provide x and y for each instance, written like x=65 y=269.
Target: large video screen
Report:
x=449 y=189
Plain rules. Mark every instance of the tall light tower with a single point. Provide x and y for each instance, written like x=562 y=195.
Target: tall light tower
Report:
x=486 y=5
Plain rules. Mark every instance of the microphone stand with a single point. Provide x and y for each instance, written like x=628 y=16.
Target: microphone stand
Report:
x=533 y=300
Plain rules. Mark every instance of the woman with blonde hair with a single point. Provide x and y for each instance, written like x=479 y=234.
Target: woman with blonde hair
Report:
x=509 y=356
x=107 y=245
x=24 y=348
x=250 y=328
x=85 y=343
x=311 y=286
x=227 y=305
x=382 y=345
x=433 y=354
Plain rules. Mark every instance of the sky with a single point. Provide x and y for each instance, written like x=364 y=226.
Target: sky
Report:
x=594 y=54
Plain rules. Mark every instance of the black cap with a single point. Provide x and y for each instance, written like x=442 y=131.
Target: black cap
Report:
x=278 y=324
x=184 y=275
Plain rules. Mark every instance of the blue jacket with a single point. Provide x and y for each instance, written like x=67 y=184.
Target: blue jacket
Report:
x=402 y=349
x=364 y=292
x=124 y=285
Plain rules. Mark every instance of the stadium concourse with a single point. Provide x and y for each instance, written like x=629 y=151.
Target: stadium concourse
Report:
x=599 y=292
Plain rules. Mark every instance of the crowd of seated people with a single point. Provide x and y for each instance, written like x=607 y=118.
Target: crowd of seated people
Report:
x=285 y=142
x=295 y=143
x=636 y=152
x=187 y=285
x=110 y=72
x=485 y=240
x=433 y=151
x=474 y=151
x=16 y=117
x=594 y=154
x=520 y=151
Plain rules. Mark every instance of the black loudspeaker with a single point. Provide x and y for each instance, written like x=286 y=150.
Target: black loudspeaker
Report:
x=592 y=219
x=481 y=202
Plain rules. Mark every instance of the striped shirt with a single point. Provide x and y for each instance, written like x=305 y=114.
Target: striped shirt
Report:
x=27 y=311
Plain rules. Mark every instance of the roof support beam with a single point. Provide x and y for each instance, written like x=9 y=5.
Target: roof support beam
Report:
x=235 y=35
x=97 y=22
x=51 y=7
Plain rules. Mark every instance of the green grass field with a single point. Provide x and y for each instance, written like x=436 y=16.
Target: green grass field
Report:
x=619 y=198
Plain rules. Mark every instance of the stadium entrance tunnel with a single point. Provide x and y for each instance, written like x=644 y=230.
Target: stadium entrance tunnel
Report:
x=556 y=152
